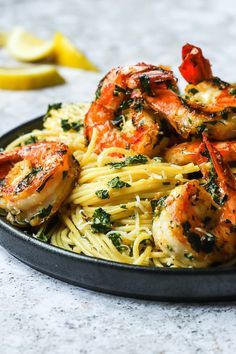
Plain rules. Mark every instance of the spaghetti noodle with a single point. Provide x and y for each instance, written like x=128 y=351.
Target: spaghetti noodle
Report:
x=109 y=212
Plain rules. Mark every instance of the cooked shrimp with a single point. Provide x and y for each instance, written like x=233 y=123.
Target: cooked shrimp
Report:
x=184 y=153
x=209 y=105
x=35 y=180
x=119 y=112
x=196 y=225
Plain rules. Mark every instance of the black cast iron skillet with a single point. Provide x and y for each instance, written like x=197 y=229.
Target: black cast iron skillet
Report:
x=111 y=277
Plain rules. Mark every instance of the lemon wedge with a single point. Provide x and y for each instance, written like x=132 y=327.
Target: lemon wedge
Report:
x=3 y=39
x=25 y=47
x=66 y=54
x=29 y=77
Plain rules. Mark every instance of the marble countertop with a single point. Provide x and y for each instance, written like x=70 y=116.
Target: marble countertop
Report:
x=39 y=314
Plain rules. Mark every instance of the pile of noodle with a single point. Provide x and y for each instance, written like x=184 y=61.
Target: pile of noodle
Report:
x=129 y=238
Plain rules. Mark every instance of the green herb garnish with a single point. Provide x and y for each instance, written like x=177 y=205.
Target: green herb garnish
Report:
x=145 y=84
x=115 y=238
x=131 y=160
x=39 y=189
x=66 y=125
x=189 y=256
x=43 y=237
x=158 y=159
x=205 y=243
x=116 y=183
x=158 y=203
x=102 y=194
x=51 y=107
x=101 y=221
x=193 y=91
x=45 y=212
x=99 y=89
x=64 y=174
x=118 y=90
x=123 y=206
x=136 y=160
x=232 y=91
x=31 y=140
x=118 y=121
x=28 y=179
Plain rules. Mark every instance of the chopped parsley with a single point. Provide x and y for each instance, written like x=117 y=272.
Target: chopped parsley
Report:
x=115 y=238
x=118 y=121
x=193 y=91
x=39 y=189
x=170 y=248
x=189 y=256
x=200 y=129
x=123 y=206
x=64 y=174
x=232 y=91
x=138 y=104
x=66 y=125
x=43 y=237
x=51 y=107
x=101 y=221
x=117 y=165
x=136 y=160
x=99 y=89
x=158 y=159
x=205 y=243
x=45 y=212
x=118 y=90
x=102 y=194
x=158 y=203
x=116 y=183
x=131 y=160
x=31 y=140
x=145 y=84
x=28 y=179
x=212 y=185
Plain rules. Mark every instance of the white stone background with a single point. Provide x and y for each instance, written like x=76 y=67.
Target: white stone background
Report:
x=41 y=315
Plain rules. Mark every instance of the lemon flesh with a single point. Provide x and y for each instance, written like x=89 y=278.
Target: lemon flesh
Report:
x=30 y=77
x=66 y=54
x=25 y=47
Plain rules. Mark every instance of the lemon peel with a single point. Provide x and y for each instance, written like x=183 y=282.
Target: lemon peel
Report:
x=29 y=77
x=66 y=54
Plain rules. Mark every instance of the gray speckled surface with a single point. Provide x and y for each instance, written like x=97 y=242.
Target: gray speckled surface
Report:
x=42 y=315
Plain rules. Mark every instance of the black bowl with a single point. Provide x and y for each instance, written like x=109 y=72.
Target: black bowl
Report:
x=111 y=277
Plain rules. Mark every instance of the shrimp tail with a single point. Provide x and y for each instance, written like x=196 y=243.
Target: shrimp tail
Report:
x=11 y=156
x=7 y=159
x=195 y=67
x=222 y=169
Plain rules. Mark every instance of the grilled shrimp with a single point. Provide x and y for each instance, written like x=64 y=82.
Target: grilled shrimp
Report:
x=119 y=112
x=209 y=104
x=195 y=224
x=35 y=180
x=187 y=152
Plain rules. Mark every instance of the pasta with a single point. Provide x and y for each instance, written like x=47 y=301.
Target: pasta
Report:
x=128 y=238
x=155 y=185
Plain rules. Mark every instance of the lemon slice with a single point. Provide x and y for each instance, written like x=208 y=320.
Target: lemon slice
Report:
x=25 y=47
x=30 y=77
x=67 y=55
